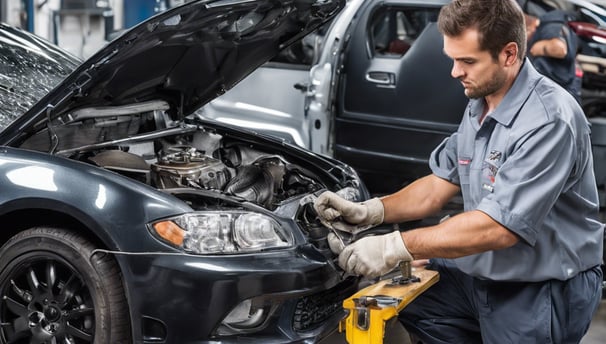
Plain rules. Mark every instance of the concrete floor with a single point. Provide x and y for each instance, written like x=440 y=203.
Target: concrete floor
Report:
x=597 y=330
x=395 y=333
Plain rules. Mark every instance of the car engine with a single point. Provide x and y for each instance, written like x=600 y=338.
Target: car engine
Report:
x=141 y=141
x=185 y=166
x=236 y=169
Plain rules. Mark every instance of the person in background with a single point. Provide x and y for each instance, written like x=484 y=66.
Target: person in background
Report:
x=521 y=263
x=552 y=48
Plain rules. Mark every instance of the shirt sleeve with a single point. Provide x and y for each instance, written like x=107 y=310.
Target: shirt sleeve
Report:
x=443 y=160
x=532 y=178
x=553 y=30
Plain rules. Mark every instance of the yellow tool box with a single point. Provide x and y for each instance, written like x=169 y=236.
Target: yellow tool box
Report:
x=372 y=306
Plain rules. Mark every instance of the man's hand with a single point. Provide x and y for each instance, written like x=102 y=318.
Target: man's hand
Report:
x=372 y=256
x=336 y=244
x=338 y=213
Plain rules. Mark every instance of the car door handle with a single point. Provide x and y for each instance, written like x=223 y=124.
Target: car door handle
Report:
x=381 y=78
x=301 y=87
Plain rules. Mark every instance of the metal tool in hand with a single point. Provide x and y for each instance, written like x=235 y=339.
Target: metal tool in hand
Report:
x=345 y=238
x=406 y=276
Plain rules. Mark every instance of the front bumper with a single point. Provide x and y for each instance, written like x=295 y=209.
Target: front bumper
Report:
x=179 y=298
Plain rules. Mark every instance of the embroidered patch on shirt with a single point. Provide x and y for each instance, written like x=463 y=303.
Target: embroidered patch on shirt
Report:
x=495 y=155
x=490 y=188
x=489 y=171
x=464 y=161
x=490 y=168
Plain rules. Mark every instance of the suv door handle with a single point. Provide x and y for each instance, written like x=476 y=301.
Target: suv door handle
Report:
x=381 y=78
x=301 y=87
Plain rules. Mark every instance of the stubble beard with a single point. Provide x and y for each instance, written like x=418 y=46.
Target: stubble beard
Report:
x=491 y=86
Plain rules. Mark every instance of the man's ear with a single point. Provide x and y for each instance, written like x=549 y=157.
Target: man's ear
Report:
x=510 y=52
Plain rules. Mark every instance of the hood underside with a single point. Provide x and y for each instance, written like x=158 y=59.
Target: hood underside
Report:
x=185 y=56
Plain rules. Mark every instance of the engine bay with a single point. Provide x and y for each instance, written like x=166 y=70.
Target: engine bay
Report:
x=237 y=170
x=142 y=142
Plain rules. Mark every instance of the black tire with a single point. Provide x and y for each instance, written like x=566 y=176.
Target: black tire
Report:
x=55 y=290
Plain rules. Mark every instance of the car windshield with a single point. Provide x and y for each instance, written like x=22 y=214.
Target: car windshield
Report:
x=29 y=68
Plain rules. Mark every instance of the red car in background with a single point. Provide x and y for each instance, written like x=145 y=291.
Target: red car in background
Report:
x=592 y=63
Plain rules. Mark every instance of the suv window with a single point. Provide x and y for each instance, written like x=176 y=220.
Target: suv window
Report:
x=394 y=30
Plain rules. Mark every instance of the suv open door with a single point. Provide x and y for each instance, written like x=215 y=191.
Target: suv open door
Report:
x=396 y=100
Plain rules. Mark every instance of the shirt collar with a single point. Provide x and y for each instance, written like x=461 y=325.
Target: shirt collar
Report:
x=509 y=107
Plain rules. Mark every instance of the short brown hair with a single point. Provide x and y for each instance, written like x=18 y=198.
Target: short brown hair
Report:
x=497 y=21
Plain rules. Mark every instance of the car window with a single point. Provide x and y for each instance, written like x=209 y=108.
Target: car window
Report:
x=29 y=68
x=393 y=30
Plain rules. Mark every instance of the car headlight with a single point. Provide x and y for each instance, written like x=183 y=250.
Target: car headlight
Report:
x=350 y=194
x=357 y=191
x=224 y=232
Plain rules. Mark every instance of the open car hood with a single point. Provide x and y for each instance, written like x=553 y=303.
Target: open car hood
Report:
x=185 y=56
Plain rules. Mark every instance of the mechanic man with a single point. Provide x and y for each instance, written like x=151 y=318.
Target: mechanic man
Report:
x=521 y=264
x=552 y=49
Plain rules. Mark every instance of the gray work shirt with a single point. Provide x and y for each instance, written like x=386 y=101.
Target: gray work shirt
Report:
x=529 y=167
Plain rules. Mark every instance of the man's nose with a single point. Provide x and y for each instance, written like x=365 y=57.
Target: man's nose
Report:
x=456 y=71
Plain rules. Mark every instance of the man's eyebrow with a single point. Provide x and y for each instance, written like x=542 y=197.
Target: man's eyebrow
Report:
x=465 y=58
x=468 y=58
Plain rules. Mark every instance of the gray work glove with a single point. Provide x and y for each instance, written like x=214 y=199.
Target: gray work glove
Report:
x=336 y=244
x=371 y=256
x=338 y=213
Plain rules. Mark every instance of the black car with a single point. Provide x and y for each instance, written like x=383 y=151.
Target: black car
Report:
x=129 y=219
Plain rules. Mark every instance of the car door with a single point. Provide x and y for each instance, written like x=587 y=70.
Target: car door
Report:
x=396 y=99
x=271 y=100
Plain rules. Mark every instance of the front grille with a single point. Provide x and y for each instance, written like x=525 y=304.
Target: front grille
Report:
x=313 y=310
